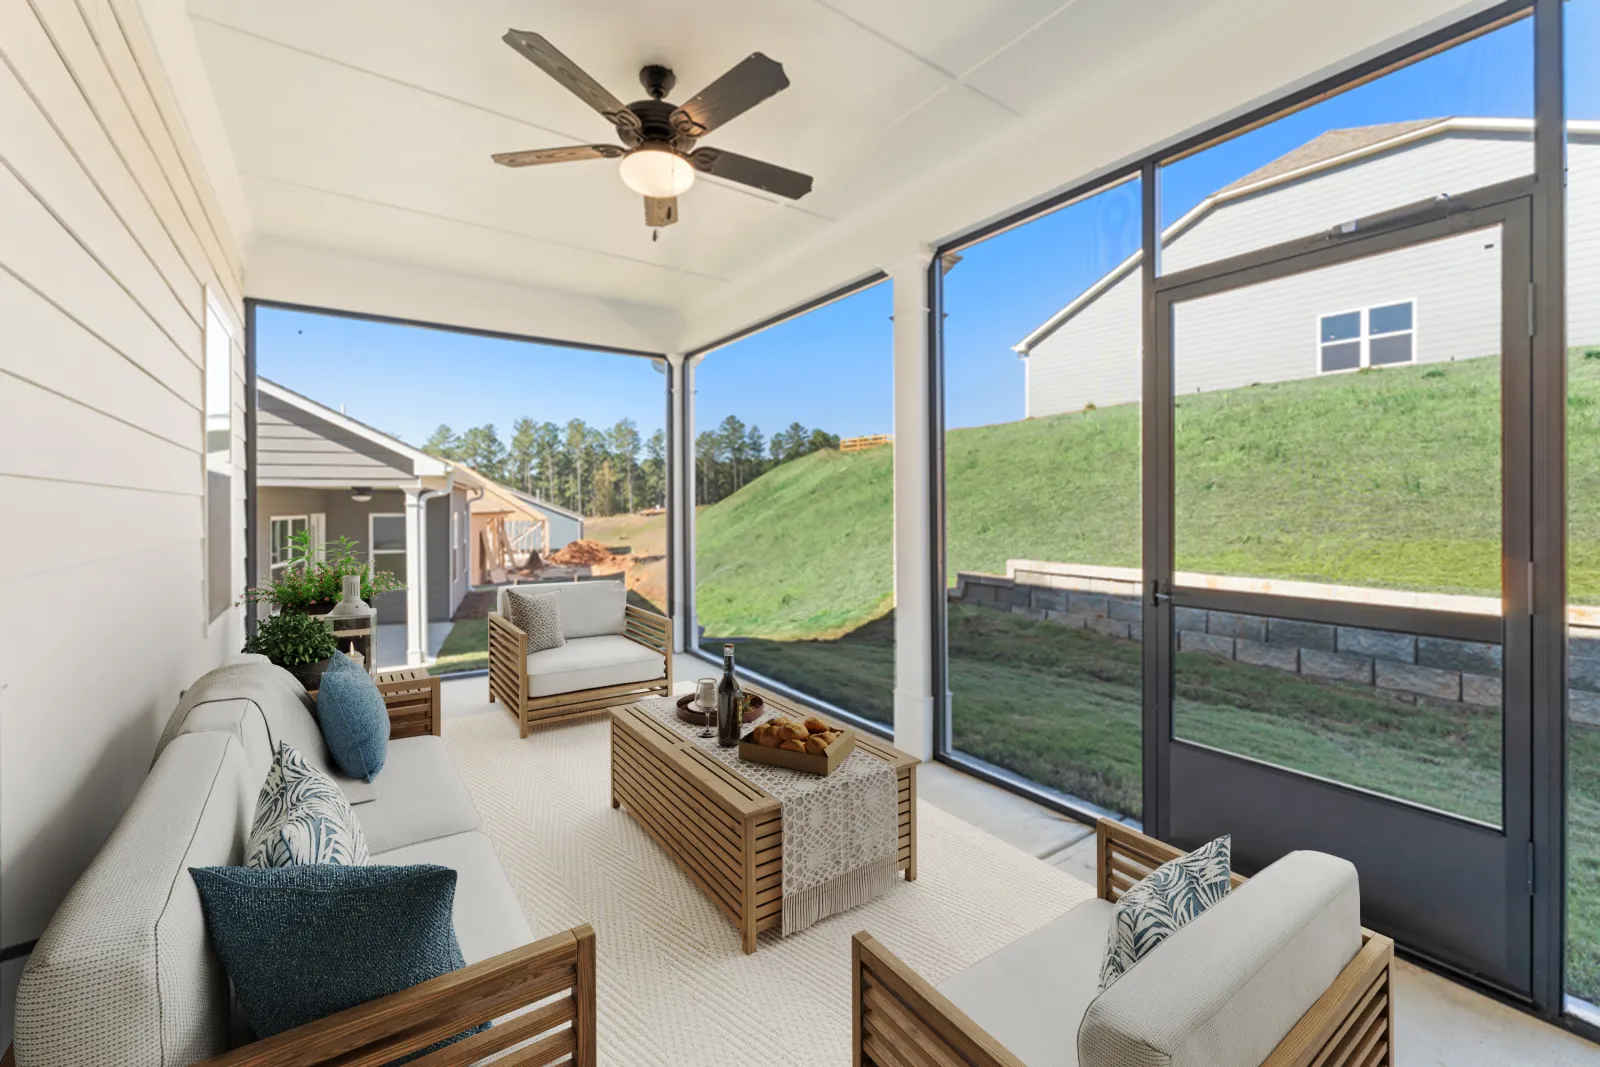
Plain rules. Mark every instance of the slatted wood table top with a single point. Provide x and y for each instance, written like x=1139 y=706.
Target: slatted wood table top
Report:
x=724 y=832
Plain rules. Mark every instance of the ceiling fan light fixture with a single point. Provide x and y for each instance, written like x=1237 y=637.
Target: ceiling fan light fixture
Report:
x=656 y=171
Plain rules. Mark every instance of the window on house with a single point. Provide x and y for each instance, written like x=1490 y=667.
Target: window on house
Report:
x=387 y=535
x=282 y=529
x=1373 y=337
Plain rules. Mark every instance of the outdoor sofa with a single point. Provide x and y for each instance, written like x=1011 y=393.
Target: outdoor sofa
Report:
x=614 y=653
x=125 y=972
x=1279 y=973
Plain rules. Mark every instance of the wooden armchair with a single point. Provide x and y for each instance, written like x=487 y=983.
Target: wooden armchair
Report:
x=900 y=1020
x=561 y=1031
x=508 y=672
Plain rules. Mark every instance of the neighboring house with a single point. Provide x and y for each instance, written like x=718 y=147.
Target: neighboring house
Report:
x=321 y=471
x=508 y=524
x=1426 y=303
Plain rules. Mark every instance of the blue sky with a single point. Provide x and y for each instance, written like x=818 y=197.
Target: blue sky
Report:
x=832 y=367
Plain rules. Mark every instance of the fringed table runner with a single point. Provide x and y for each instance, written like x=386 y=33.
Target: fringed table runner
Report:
x=841 y=833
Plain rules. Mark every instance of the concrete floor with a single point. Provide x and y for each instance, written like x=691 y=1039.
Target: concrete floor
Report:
x=1438 y=1023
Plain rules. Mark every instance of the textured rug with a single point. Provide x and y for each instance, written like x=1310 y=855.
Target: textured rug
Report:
x=674 y=989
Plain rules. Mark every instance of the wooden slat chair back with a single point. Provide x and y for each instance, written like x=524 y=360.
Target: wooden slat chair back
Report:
x=900 y=1020
x=561 y=1031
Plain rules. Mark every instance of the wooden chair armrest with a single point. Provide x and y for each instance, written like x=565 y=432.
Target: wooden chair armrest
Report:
x=504 y=636
x=897 y=1017
x=1124 y=856
x=1353 y=1021
x=390 y=1027
x=647 y=628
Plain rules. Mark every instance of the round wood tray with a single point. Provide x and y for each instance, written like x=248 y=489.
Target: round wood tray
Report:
x=698 y=718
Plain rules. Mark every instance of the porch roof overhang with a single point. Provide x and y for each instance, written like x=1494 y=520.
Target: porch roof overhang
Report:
x=352 y=165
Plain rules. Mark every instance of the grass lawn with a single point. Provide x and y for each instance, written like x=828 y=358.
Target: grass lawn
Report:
x=1386 y=478
x=1062 y=707
x=465 y=648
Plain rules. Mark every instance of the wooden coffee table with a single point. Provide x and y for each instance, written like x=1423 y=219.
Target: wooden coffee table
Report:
x=723 y=832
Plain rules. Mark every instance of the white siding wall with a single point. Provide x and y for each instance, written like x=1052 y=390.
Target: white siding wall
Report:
x=1268 y=332
x=1093 y=358
x=109 y=242
x=1451 y=164
x=1583 y=240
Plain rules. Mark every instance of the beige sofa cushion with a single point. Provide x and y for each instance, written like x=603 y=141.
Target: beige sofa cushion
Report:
x=1224 y=989
x=588 y=609
x=124 y=973
x=488 y=918
x=423 y=797
x=590 y=662
x=1030 y=994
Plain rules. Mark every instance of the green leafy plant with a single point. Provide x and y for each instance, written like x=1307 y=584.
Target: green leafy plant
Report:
x=308 y=582
x=292 y=639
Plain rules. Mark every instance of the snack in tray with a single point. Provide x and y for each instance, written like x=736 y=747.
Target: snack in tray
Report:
x=783 y=732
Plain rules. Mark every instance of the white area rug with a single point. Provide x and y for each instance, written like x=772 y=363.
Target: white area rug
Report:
x=674 y=989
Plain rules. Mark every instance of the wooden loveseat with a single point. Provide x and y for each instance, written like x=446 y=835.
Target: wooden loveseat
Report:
x=1256 y=979
x=615 y=653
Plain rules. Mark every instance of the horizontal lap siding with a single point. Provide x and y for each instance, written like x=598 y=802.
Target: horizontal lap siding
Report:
x=1583 y=240
x=109 y=245
x=296 y=448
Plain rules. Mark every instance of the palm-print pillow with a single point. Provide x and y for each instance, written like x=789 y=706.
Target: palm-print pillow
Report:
x=302 y=817
x=1173 y=894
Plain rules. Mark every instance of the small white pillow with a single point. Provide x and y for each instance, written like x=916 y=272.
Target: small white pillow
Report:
x=538 y=616
x=302 y=818
x=1173 y=894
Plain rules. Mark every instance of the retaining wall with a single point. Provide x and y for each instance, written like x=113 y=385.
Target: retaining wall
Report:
x=1406 y=667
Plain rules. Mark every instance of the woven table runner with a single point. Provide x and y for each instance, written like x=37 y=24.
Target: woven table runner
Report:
x=841 y=833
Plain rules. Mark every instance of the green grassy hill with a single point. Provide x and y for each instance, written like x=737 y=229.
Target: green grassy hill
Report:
x=1386 y=478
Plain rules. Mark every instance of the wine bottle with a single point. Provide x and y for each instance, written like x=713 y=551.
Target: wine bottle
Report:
x=730 y=719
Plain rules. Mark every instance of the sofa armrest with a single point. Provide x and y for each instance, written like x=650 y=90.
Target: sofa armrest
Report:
x=898 y=1018
x=388 y=1028
x=653 y=631
x=508 y=661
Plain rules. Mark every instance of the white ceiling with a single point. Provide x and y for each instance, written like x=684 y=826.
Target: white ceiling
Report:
x=360 y=131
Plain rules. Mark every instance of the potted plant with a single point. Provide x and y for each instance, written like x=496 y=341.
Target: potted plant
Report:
x=297 y=642
x=313 y=586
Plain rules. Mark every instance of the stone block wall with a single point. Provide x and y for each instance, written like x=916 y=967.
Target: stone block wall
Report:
x=1439 y=671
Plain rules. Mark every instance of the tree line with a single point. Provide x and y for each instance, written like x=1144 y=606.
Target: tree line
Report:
x=733 y=455
x=595 y=471
x=582 y=468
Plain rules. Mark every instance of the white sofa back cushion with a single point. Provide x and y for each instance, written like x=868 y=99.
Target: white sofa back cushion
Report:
x=1225 y=988
x=261 y=705
x=125 y=973
x=588 y=609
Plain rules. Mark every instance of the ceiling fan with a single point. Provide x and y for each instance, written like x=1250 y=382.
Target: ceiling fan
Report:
x=658 y=153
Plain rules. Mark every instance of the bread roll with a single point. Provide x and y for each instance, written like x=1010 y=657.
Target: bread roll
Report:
x=816 y=725
x=792 y=745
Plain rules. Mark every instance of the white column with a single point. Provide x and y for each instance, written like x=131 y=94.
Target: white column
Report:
x=689 y=629
x=676 y=513
x=913 y=534
x=416 y=624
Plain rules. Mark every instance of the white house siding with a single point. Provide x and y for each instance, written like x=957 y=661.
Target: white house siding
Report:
x=111 y=238
x=1093 y=357
x=1269 y=332
x=1583 y=239
x=294 y=447
x=1453 y=163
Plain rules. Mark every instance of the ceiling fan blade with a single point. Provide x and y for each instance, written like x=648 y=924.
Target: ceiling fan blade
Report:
x=548 y=58
x=660 y=210
x=533 y=157
x=751 y=81
x=747 y=171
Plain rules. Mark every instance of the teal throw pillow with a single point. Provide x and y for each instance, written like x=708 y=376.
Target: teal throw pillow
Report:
x=301 y=943
x=302 y=817
x=1154 y=909
x=341 y=662
x=354 y=722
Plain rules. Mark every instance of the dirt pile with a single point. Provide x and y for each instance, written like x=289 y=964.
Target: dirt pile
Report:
x=582 y=553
